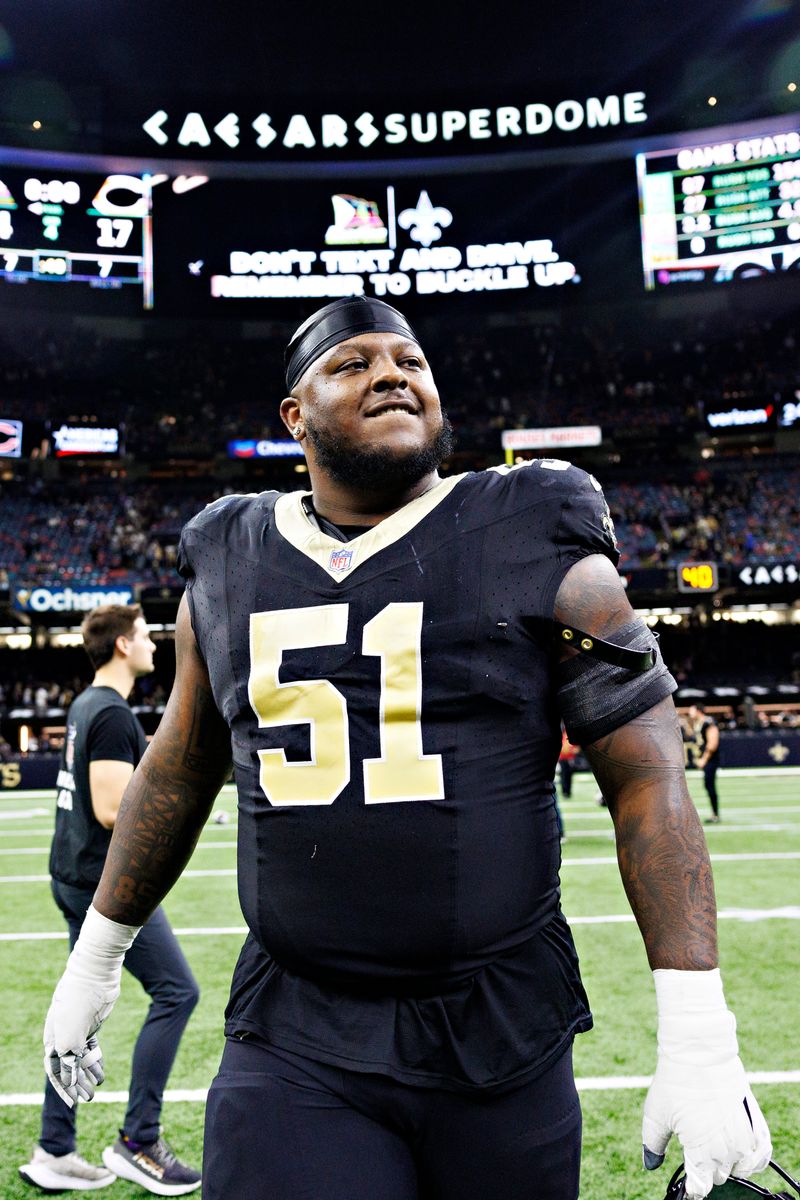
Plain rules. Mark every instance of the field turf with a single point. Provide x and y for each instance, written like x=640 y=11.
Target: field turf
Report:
x=757 y=894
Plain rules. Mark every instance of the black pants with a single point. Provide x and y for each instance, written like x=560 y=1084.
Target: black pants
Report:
x=157 y=961
x=710 y=781
x=281 y=1127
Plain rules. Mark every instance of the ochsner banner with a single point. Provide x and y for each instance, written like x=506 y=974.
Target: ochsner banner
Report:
x=65 y=600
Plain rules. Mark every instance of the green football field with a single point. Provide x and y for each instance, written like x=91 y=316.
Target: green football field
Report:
x=756 y=857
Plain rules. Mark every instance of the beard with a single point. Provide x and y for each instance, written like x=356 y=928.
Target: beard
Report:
x=380 y=470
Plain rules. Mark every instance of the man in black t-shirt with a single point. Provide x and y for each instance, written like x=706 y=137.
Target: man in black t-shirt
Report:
x=103 y=744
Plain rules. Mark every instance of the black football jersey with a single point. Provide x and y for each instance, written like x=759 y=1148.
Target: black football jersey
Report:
x=703 y=738
x=100 y=726
x=394 y=729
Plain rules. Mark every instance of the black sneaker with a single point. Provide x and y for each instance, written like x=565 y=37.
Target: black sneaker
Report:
x=154 y=1166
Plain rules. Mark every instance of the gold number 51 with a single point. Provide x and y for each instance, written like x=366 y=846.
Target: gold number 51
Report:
x=403 y=771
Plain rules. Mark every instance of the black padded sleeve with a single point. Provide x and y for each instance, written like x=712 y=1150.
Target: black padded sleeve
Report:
x=595 y=697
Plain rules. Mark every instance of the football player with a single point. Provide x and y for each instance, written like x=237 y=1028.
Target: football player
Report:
x=387 y=660
x=705 y=731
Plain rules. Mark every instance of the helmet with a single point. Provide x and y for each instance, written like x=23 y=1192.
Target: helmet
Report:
x=739 y=1189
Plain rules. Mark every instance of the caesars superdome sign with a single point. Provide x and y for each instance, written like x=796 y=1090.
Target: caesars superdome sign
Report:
x=425 y=131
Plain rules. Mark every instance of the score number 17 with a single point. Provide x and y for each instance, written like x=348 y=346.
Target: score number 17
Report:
x=114 y=232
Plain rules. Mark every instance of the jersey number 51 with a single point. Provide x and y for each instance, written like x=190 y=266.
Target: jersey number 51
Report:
x=403 y=772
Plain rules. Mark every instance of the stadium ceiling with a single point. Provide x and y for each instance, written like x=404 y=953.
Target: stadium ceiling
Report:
x=727 y=49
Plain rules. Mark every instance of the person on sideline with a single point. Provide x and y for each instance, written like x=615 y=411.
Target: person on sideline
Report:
x=706 y=755
x=103 y=744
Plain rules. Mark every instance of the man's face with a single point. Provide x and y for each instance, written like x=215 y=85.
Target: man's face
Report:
x=373 y=399
x=141 y=648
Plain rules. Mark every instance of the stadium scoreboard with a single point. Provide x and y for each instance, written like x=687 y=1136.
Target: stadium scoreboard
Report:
x=721 y=211
x=64 y=227
x=697 y=577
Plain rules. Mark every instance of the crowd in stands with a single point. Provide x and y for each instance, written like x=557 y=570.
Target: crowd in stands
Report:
x=732 y=514
x=189 y=396
x=183 y=399
x=95 y=533
x=104 y=531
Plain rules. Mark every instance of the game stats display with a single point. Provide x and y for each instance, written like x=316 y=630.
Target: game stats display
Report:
x=723 y=211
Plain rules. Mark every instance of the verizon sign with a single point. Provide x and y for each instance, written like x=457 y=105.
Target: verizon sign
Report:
x=549 y=439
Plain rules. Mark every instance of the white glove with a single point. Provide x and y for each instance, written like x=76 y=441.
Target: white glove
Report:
x=83 y=998
x=700 y=1091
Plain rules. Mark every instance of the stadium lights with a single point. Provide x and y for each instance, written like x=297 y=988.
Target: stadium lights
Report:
x=17 y=641
x=37 y=125
x=712 y=100
x=66 y=638
x=791 y=87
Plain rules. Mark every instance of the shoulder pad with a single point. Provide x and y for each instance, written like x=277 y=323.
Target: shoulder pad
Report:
x=212 y=520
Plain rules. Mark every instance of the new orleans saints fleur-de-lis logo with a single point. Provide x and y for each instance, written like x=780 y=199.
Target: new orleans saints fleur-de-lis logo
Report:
x=425 y=220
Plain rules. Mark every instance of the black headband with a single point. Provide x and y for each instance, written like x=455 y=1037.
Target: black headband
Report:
x=336 y=323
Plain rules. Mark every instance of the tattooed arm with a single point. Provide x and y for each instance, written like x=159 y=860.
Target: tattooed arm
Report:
x=700 y=1091
x=170 y=794
x=639 y=767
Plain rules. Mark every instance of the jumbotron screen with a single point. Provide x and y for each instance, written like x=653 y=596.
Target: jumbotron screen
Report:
x=722 y=211
x=260 y=244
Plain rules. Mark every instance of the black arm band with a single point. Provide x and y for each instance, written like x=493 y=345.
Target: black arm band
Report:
x=608 y=652
x=597 y=693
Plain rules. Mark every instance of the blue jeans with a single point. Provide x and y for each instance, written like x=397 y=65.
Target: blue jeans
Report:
x=158 y=962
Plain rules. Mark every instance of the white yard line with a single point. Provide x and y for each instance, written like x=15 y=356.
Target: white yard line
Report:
x=593 y=861
x=610 y=860
x=19 y=814
x=787 y=913
x=30 y=832
x=608 y=834
x=47 y=830
x=596 y=1083
x=733 y=810
x=616 y=1083
x=46 y=849
x=201 y=874
x=194 y=931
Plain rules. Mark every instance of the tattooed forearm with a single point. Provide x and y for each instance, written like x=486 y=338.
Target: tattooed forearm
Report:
x=195 y=752
x=161 y=817
x=662 y=853
x=169 y=796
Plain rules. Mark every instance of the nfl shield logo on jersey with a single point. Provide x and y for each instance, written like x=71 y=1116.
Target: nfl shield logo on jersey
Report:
x=340 y=561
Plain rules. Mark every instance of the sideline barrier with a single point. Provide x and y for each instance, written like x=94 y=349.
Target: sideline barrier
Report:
x=21 y=774
x=773 y=748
